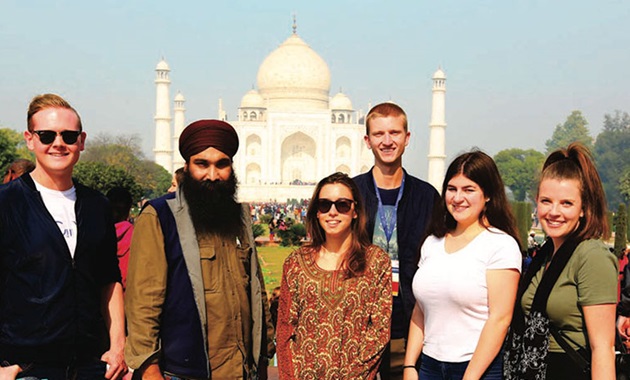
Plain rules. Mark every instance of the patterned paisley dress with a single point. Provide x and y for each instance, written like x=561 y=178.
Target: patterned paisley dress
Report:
x=330 y=327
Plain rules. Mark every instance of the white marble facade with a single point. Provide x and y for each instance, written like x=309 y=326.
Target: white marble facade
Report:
x=292 y=132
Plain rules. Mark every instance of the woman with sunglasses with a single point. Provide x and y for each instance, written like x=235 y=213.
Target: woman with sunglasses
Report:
x=465 y=286
x=335 y=298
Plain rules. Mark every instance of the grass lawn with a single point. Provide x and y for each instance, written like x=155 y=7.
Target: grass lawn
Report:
x=272 y=259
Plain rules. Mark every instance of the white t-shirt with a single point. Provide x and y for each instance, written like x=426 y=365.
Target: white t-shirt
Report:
x=452 y=291
x=60 y=205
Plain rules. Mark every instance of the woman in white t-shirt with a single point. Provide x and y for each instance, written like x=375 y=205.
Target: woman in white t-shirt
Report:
x=467 y=277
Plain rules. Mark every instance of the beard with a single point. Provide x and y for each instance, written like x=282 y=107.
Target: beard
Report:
x=212 y=205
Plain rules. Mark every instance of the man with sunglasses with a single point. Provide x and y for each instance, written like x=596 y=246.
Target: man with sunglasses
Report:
x=61 y=296
x=195 y=299
x=398 y=207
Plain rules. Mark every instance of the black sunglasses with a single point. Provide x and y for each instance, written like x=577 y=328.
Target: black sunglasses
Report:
x=47 y=137
x=342 y=205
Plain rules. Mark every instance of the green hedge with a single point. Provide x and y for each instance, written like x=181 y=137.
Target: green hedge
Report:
x=621 y=229
x=523 y=215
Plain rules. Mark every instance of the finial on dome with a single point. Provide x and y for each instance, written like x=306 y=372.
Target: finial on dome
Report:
x=294 y=24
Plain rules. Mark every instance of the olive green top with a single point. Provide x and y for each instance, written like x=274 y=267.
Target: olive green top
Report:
x=589 y=278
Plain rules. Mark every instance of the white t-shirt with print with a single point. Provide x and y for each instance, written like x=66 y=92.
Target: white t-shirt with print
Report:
x=452 y=291
x=60 y=205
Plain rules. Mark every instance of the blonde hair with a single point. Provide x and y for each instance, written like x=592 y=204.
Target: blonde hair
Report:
x=385 y=110
x=43 y=101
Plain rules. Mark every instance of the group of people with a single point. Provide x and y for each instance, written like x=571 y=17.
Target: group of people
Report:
x=396 y=280
x=359 y=295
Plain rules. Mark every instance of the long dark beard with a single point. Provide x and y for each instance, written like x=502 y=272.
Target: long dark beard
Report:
x=212 y=205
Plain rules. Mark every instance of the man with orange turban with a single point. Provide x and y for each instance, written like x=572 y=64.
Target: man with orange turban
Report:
x=196 y=302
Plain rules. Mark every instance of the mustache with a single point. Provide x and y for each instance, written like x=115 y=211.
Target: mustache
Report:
x=216 y=185
x=212 y=204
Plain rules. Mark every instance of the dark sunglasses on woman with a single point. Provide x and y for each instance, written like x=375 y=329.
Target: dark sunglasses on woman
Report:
x=47 y=137
x=342 y=205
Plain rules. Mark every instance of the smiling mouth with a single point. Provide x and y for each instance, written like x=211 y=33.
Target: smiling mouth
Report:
x=554 y=223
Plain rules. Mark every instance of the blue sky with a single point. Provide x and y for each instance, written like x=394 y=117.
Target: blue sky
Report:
x=515 y=68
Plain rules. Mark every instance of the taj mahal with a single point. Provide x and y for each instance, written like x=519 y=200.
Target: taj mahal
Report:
x=292 y=132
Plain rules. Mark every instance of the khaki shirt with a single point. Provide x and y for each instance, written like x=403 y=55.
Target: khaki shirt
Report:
x=229 y=324
x=226 y=287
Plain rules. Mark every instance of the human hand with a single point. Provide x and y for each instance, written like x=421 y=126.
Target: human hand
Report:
x=10 y=372
x=116 y=367
x=623 y=326
x=410 y=374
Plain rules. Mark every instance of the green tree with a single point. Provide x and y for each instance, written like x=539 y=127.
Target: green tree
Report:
x=293 y=235
x=612 y=157
x=624 y=185
x=619 y=122
x=153 y=179
x=519 y=170
x=9 y=142
x=124 y=152
x=620 y=230
x=103 y=177
x=258 y=230
x=575 y=128
x=265 y=218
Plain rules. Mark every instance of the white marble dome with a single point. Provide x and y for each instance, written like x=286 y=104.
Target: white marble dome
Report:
x=439 y=74
x=252 y=99
x=294 y=75
x=179 y=97
x=162 y=65
x=341 y=102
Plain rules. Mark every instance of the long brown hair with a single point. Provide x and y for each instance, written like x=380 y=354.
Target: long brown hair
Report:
x=354 y=260
x=481 y=169
x=575 y=162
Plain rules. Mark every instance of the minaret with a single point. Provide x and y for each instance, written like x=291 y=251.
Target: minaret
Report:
x=163 y=149
x=437 y=127
x=222 y=115
x=179 y=122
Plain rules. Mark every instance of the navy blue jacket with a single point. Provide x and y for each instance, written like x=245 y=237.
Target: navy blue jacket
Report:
x=183 y=342
x=50 y=302
x=413 y=214
x=183 y=331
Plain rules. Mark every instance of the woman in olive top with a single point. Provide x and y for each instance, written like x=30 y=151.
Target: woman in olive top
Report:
x=570 y=289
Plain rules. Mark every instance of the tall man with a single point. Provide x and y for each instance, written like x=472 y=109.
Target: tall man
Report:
x=398 y=207
x=196 y=302
x=61 y=290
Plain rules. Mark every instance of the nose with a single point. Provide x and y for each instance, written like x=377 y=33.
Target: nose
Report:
x=387 y=138
x=333 y=210
x=458 y=196
x=212 y=174
x=58 y=140
x=553 y=210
